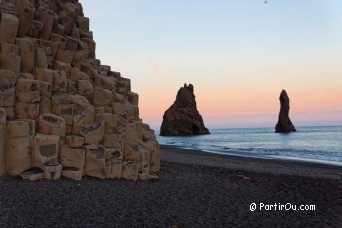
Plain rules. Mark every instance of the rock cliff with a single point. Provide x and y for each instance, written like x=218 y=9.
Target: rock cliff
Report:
x=183 y=118
x=62 y=113
x=284 y=123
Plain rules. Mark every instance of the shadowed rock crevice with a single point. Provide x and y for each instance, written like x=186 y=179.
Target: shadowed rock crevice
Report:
x=183 y=118
x=284 y=124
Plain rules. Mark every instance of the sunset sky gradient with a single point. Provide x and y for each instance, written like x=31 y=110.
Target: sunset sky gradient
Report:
x=238 y=54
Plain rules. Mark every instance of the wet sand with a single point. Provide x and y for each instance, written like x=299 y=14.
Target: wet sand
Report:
x=258 y=165
x=195 y=189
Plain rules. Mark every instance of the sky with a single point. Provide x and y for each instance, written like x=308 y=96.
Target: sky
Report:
x=238 y=54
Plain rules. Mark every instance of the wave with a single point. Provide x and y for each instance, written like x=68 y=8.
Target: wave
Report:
x=316 y=143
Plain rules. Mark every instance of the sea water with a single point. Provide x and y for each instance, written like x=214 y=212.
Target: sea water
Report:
x=314 y=144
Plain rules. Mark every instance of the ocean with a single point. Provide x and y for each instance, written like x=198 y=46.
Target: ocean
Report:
x=314 y=144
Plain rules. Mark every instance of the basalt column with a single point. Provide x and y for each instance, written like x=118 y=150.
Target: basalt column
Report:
x=63 y=113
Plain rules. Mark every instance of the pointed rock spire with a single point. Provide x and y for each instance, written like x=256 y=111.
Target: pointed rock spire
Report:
x=284 y=123
x=183 y=118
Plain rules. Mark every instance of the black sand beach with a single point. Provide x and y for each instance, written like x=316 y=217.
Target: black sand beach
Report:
x=195 y=189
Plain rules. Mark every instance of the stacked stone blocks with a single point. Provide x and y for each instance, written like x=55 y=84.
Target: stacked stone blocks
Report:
x=62 y=113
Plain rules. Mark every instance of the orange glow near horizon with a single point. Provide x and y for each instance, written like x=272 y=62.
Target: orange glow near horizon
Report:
x=239 y=55
x=236 y=106
x=244 y=94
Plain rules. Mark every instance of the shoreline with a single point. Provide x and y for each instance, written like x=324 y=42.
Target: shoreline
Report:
x=177 y=154
x=194 y=189
x=263 y=157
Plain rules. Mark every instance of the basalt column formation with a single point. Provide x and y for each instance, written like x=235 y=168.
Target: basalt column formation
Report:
x=62 y=113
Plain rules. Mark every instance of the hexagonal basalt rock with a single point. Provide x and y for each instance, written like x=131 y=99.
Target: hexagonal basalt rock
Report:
x=62 y=113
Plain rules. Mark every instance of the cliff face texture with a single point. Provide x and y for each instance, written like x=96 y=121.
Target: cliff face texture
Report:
x=62 y=113
x=183 y=118
x=284 y=123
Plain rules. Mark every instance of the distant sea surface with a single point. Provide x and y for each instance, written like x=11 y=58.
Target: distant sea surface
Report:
x=314 y=144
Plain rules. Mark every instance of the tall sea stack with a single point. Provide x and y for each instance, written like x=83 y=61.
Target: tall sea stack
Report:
x=63 y=113
x=284 y=123
x=183 y=118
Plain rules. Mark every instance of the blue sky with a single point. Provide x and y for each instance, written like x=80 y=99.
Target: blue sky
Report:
x=238 y=54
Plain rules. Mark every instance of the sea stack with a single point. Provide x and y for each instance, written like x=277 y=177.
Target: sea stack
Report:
x=63 y=113
x=183 y=118
x=284 y=124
